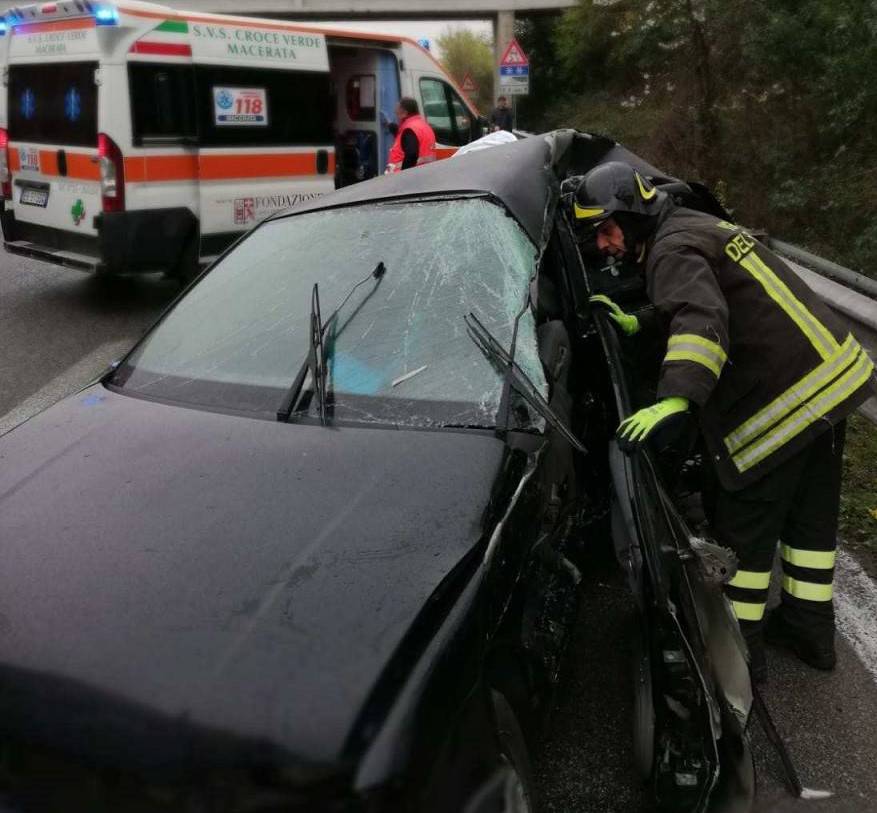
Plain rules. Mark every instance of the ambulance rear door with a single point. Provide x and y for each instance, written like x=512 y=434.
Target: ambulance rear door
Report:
x=366 y=78
x=52 y=97
x=265 y=108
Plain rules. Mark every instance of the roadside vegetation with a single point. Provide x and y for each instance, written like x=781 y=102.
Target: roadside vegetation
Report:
x=465 y=53
x=858 y=505
x=773 y=105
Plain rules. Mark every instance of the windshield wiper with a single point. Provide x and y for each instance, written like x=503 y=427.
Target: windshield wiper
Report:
x=517 y=379
x=315 y=361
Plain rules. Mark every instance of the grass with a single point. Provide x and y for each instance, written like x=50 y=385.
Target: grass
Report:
x=858 y=501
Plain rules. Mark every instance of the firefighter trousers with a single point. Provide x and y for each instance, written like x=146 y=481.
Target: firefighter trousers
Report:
x=795 y=506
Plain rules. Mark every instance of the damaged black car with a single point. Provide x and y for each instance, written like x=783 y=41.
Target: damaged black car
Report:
x=312 y=545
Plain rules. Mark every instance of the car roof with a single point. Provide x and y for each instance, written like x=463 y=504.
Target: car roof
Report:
x=525 y=176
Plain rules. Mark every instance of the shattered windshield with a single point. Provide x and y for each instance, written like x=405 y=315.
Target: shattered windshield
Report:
x=398 y=351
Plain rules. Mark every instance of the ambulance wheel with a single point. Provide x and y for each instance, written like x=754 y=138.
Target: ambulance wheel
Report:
x=188 y=266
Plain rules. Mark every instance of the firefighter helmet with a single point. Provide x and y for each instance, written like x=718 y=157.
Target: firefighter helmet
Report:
x=613 y=188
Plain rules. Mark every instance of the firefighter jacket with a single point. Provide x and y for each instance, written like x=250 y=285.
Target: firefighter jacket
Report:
x=766 y=362
x=426 y=152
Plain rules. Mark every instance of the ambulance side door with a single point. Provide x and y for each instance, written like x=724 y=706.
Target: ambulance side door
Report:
x=265 y=145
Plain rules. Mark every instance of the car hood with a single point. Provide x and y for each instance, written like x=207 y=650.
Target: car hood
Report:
x=244 y=576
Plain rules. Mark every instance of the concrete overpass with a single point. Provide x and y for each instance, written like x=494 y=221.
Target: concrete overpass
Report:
x=379 y=9
x=502 y=12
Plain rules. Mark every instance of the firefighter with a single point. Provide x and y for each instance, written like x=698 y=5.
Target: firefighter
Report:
x=770 y=375
x=415 y=140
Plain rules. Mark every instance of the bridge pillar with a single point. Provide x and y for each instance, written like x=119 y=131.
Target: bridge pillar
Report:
x=503 y=31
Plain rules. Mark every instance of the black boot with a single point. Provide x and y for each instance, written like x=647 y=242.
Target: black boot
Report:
x=816 y=652
x=752 y=634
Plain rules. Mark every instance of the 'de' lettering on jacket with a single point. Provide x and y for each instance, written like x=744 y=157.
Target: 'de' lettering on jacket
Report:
x=766 y=362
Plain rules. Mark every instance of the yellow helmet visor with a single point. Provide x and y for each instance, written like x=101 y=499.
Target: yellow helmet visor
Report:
x=587 y=213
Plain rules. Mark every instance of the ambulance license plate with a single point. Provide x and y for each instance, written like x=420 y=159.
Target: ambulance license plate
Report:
x=31 y=196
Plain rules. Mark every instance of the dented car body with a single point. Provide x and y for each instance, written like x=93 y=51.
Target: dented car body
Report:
x=311 y=545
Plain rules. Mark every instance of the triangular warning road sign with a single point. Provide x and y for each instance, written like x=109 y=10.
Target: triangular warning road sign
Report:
x=514 y=55
x=468 y=84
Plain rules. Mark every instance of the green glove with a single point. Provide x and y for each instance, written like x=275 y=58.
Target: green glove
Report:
x=666 y=418
x=628 y=323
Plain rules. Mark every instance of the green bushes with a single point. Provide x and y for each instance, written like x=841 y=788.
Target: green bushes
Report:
x=773 y=103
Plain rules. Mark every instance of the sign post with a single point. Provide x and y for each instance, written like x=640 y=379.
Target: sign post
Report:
x=514 y=75
x=514 y=71
x=468 y=86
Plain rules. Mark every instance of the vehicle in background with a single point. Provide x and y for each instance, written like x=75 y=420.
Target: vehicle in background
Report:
x=135 y=137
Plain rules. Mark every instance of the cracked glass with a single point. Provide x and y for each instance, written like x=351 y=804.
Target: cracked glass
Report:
x=398 y=351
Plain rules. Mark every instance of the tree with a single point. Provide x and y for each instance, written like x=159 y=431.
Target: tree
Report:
x=536 y=34
x=465 y=52
x=772 y=104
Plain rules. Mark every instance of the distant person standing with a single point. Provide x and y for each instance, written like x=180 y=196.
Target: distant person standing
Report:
x=501 y=117
x=415 y=139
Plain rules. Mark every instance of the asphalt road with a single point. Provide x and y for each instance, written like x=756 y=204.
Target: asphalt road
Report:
x=59 y=329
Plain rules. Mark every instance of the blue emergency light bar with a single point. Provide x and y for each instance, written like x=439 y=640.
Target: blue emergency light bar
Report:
x=106 y=15
x=15 y=16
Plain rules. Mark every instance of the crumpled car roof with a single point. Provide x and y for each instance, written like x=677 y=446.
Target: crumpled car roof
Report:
x=524 y=175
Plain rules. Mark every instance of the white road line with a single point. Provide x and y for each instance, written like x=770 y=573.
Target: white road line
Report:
x=855 y=607
x=72 y=379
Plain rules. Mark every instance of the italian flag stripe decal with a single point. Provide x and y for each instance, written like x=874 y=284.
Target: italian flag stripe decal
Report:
x=174 y=26
x=165 y=48
x=170 y=38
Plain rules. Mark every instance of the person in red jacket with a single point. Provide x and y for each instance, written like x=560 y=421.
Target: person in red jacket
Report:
x=415 y=140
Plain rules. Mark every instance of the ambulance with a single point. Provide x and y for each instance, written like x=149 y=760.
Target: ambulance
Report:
x=136 y=138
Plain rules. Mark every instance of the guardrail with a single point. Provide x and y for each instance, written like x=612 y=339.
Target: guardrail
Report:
x=826 y=268
x=851 y=296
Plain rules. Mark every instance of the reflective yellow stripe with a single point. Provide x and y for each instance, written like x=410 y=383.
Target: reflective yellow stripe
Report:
x=696 y=356
x=855 y=377
x=751 y=579
x=794 y=397
x=824 y=343
x=691 y=347
x=807 y=590
x=747 y=611
x=714 y=348
x=818 y=559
